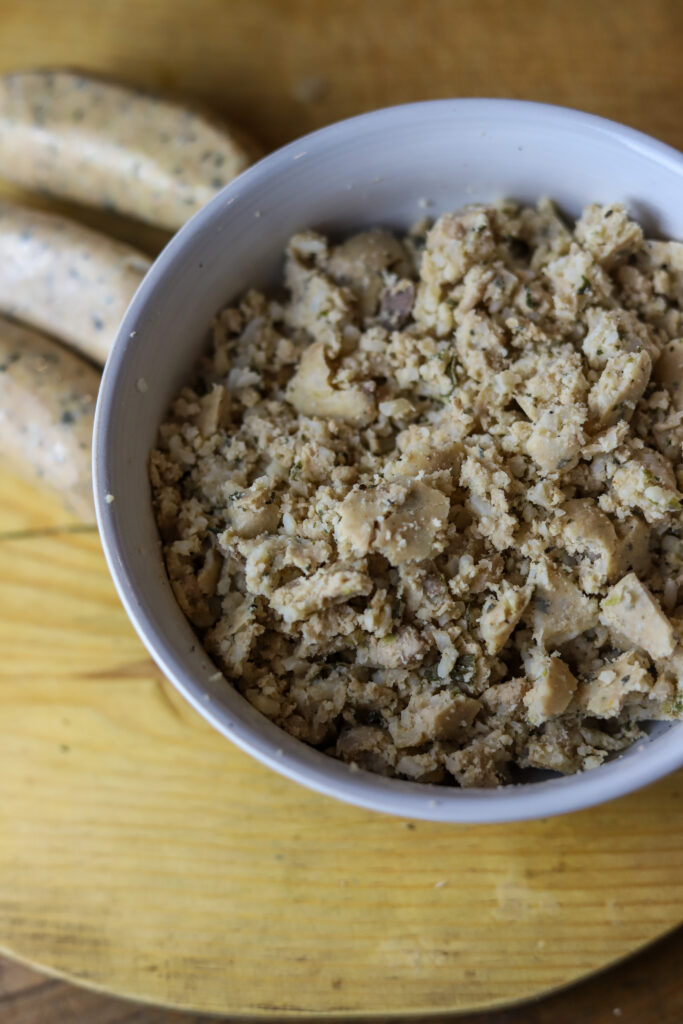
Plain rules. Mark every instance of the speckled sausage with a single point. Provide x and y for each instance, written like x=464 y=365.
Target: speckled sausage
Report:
x=65 y=279
x=107 y=145
x=47 y=403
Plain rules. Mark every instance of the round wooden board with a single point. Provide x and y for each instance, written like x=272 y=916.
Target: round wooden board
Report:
x=139 y=851
x=142 y=853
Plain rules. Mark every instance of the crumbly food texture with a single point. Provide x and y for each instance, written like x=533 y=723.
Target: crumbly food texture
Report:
x=424 y=506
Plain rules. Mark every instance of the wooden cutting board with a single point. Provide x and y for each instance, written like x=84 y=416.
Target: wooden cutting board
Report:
x=139 y=851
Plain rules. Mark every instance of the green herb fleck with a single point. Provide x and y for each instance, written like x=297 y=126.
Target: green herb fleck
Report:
x=463 y=671
x=675 y=707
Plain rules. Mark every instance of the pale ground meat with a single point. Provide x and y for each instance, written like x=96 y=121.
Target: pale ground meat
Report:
x=424 y=508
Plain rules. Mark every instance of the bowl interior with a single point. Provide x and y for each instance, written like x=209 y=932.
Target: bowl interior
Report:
x=387 y=168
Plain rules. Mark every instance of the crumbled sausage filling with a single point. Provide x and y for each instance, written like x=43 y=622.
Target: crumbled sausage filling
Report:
x=425 y=510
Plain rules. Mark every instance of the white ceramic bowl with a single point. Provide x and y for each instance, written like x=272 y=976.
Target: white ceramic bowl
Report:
x=380 y=168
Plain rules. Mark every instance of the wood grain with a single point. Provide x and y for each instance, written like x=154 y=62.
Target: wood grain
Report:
x=643 y=990
x=139 y=851
x=283 y=67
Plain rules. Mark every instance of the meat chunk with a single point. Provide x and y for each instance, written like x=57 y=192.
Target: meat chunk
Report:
x=400 y=520
x=231 y=638
x=333 y=584
x=634 y=617
x=483 y=762
x=615 y=395
x=267 y=558
x=368 y=747
x=557 y=437
x=444 y=715
x=606 y=694
x=312 y=394
x=555 y=748
x=506 y=699
x=456 y=242
x=559 y=610
x=424 y=450
x=551 y=689
x=608 y=233
x=401 y=649
x=587 y=532
x=577 y=280
x=361 y=264
x=646 y=482
x=396 y=304
x=252 y=511
x=500 y=615
x=410 y=533
x=613 y=332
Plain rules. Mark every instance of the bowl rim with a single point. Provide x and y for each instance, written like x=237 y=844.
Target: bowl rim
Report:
x=330 y=777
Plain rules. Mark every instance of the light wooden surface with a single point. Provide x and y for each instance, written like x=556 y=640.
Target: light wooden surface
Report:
x=140 y=852
x=645 y=990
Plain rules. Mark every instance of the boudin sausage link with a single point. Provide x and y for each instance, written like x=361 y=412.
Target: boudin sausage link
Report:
x=106 y=145
x=65 y=279
x=47 y=404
